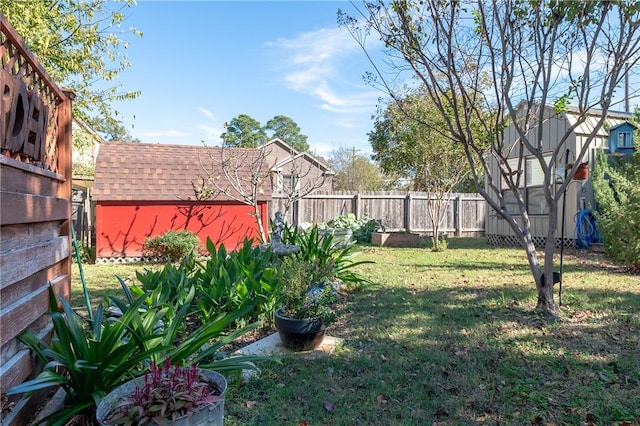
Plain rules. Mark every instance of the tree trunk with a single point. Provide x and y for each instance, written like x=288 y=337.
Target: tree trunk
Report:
x=544 y=281
x=256 y=212
x=546 y=303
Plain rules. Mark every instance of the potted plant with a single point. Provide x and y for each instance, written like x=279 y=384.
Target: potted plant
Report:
x=307 y=295
x=166 y=395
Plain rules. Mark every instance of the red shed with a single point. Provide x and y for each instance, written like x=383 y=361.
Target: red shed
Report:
x=144 y=190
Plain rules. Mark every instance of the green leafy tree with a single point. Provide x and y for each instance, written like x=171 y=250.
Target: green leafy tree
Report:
x=411 y=140
x=355 y=172
x=81 y=44
x=113 y=130
x=243 y=132
x=511 y=57
x=617 y=193
x=84 y=146
x=286 y=129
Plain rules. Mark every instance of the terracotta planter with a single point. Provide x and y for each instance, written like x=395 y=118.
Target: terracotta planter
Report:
x=582 y=173
x=300 y=334
x=208 y=415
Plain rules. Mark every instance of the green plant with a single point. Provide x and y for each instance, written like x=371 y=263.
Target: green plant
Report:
x=233 y=280
x=172 y=287
x=441 y=246
x=172 y=245
x=307 y=289
x=168 y=392
x=87 y=254
x=86 y=358
x=361 y=228
x=173 y=333
x=321 y=249
x=617 y=193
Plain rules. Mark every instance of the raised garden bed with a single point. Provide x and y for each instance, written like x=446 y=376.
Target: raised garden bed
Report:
x=399 y=239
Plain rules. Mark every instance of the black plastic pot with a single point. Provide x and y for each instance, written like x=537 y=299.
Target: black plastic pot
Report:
x=300 y=334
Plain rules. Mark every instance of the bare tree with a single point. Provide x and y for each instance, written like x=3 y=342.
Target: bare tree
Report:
x=241 y=174
x=297 y=176
x=512 y=58
x=247 y=175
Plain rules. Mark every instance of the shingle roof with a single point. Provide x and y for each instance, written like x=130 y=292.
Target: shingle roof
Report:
x=159 y=172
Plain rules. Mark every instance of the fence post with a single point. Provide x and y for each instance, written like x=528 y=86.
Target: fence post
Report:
x=407 y=212
x=358 y=201
x=298 y=207
x=458 y=215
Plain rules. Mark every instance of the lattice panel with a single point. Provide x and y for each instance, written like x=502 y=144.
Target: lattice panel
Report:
x=30 y=99
x=132 y=259
x=512 y=241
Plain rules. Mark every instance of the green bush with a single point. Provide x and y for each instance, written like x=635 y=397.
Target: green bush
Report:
x=235 y=280
x=361 y=228
x=223 y=282
x=87 y=254
x=617 y=193
x=172 y=245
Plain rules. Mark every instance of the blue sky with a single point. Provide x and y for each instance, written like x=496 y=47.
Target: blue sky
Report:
x=200 y=64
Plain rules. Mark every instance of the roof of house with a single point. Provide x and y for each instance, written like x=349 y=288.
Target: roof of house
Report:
x=614 y=118
x=127 y=171
x=627 y=123
x=317 y=160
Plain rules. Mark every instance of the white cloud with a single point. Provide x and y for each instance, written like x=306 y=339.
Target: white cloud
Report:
x=315 y=66
x=207 y=113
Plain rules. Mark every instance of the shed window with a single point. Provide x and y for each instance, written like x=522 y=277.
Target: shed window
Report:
x=536 y=203
x=533 y=186
x=513 y=165
x=534 y=172
x=625 y=140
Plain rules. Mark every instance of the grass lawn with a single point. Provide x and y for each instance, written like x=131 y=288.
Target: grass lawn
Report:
x=451 y=339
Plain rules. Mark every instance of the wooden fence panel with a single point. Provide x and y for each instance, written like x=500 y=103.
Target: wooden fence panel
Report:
x=397 y=211
x=35 y=194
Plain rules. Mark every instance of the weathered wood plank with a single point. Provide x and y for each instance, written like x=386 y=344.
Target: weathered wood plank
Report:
x=18 y=236
x=25 y=178
x=18 y=368
x=14 y=346
x=27 y=208
x=17 y=317
x=23 y=287
x=21 y=263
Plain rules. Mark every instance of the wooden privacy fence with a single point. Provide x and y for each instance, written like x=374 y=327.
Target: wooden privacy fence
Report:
x=35 y=193
x=396 y=211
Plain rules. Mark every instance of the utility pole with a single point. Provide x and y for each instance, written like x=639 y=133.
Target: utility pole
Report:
x=627 y=107
x=353 y=177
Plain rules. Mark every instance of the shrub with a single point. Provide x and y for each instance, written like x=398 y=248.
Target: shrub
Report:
x=307 y=290
x=86 y=254
x=172 y=245
x=617 y=193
